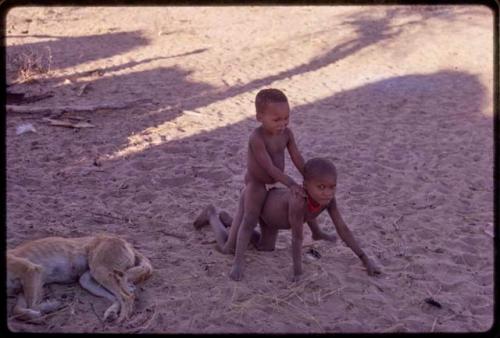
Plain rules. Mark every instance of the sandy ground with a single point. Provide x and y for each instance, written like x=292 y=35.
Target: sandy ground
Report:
x=400 y=98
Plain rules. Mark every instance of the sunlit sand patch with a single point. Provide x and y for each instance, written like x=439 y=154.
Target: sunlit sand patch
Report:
x=209 y=118
x=217 y=114
x=188 y=124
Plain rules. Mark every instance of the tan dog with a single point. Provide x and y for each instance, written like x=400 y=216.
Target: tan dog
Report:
x=105 y=265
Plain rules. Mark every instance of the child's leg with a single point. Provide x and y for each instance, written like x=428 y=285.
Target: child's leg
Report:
x=254 y=198
x=230 y=245
x=209 y=215
x=225 y=218
x=317 y=233
x=268 y=238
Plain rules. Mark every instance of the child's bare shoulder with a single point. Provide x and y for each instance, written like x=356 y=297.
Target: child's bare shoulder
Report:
x=255 y=135
x=288 y=133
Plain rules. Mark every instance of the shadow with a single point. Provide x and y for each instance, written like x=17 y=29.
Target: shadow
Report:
x=365 y=37
x=103 y=70
x=399 y=144
x=160 y=88
x=67 y=52
x=382 y=136
x=418 y=115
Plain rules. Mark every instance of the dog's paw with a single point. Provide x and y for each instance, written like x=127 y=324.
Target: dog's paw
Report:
x=131 y=287
x=31 y=316
x=111 y=314
x=50 y=306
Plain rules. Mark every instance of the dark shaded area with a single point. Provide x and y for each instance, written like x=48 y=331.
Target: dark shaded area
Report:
x=131 y=64
x=64 y=52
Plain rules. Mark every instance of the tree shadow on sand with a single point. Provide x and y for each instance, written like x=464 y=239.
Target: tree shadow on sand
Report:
x=385 y=134
x=421 y=103
x=65 y=52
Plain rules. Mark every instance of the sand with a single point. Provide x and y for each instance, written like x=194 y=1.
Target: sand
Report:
x=400 y=98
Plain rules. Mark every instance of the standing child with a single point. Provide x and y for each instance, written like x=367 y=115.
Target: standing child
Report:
x=265 y=165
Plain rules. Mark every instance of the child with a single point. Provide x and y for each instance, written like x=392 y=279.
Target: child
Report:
x=285 y=210
x=265 y=164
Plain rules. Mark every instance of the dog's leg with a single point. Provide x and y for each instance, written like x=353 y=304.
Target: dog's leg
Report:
x=32 y=285
x=112 y=281
x=89 y=284
x=22 y=312
x=141 y=271
x=50 y=305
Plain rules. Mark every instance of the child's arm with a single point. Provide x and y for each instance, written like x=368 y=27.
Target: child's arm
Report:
x=318 y=234
x=294 y=152
x=349 y=239
x=262 y=157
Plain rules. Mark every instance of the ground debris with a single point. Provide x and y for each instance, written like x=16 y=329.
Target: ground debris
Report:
x=68 y=123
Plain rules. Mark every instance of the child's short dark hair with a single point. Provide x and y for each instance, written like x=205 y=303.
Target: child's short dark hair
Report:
x=318 y=167
x=268 y=95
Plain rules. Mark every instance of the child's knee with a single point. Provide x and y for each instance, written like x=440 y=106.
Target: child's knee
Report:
x=250 y=220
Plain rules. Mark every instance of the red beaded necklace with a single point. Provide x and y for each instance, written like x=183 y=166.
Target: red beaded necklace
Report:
x=312 y=205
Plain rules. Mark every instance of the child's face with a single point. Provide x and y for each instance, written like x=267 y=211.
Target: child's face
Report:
x=275 y=117
x=321 y=189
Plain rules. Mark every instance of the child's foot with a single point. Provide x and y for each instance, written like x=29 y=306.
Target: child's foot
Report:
x=236 y=273
x=324 y=236
x=225 y=218
x=225 y=250
x=204 y=218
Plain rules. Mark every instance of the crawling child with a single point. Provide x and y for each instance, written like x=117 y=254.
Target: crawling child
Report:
x=285 y=210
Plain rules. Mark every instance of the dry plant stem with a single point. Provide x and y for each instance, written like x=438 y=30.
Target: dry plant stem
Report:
x=299 y=311
x=172 y=234
x=24 y=109
x=434 y=324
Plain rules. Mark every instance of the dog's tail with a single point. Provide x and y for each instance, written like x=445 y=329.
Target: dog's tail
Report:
x=141 y=271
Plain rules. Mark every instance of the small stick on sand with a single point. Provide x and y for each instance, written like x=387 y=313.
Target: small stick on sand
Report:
x=434 y=325
x=23 y=109
x=396 y=221
x=172 y=234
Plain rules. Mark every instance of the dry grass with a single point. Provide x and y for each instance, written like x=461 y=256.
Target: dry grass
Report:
x=294 y=301
x=29 y=65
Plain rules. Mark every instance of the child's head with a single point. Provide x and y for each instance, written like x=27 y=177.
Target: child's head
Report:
x=272 y=109
x=320 y=179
